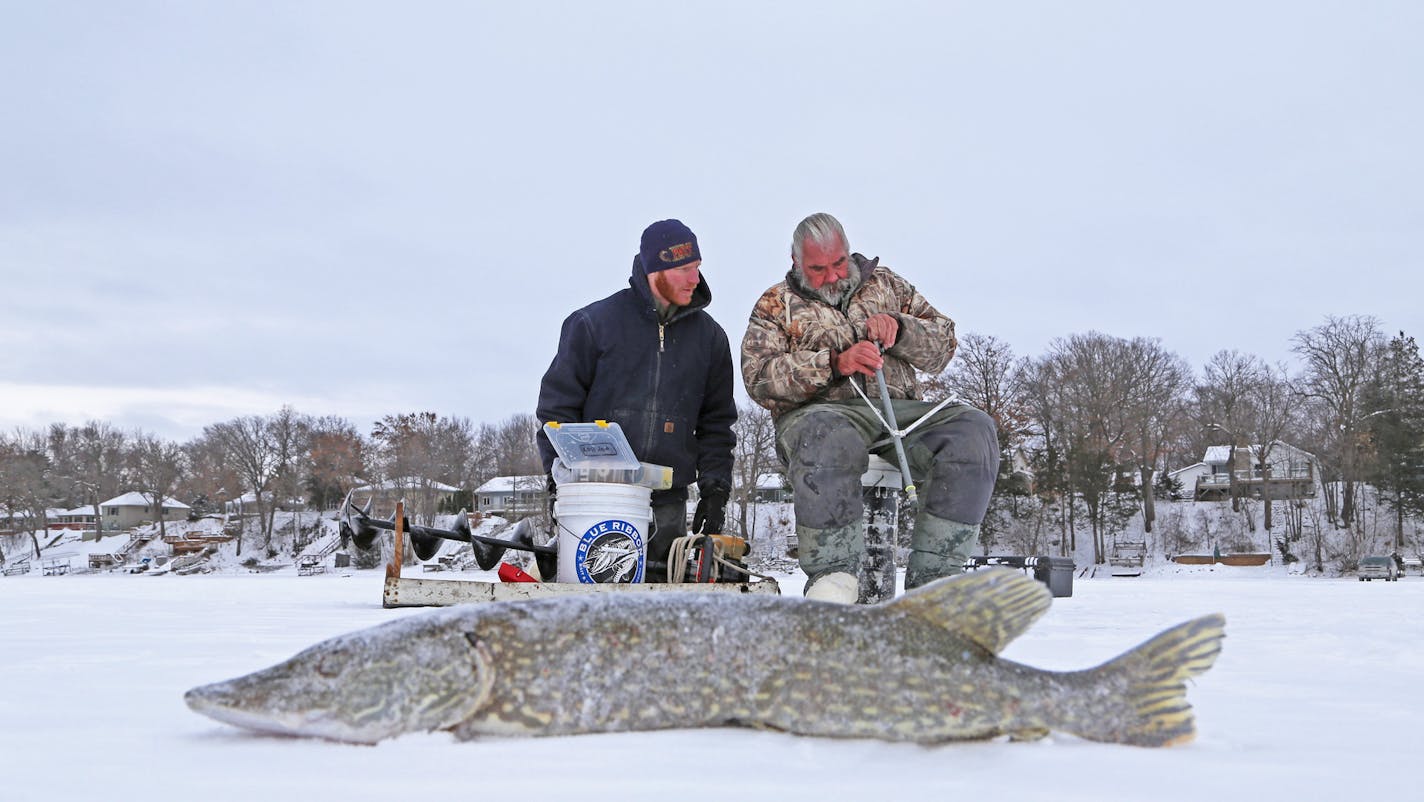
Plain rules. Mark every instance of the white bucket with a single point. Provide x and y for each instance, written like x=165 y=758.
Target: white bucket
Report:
x=603 y=532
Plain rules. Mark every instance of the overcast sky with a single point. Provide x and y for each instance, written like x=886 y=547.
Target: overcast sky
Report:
x=214 y=209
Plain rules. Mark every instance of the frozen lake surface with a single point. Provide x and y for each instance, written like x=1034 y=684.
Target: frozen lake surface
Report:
x=1317 y=686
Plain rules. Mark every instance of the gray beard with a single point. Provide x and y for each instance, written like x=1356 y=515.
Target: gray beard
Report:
x=834 y=294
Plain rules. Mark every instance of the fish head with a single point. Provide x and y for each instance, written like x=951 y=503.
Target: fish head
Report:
x=360 y=688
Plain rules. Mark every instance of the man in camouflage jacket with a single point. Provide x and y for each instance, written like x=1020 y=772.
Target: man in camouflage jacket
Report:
x=809 y=339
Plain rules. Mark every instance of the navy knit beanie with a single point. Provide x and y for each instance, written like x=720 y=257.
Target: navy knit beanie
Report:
x=667 y=244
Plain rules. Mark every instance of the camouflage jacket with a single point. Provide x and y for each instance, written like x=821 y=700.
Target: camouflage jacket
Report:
x=786 y=353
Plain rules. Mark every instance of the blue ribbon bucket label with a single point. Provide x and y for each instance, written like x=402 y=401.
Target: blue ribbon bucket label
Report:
x=610 y=551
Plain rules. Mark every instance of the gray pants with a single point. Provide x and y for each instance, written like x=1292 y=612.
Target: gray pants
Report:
x=953 y=457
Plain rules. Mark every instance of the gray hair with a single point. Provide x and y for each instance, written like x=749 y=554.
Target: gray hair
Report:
x=820 y=228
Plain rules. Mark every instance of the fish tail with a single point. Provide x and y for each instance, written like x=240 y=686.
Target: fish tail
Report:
x=1145 y=689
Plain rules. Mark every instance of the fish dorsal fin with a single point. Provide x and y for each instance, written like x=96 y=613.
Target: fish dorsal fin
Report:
x=990 y=606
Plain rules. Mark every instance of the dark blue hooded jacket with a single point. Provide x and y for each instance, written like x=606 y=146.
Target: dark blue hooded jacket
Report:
x=668 y=386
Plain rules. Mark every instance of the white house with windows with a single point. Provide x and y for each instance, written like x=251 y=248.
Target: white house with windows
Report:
x=512 y=495
x=1188 y=477
x=77 y=518
x=134 y=508
x=13 y=521
x=1289 y=472
x=772 y=488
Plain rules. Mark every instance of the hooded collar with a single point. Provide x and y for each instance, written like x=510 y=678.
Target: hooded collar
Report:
x=701 y=295
x=865 y=266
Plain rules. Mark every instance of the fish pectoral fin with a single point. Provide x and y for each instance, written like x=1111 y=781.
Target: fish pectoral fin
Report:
x=1028 y=734
x=990 y=606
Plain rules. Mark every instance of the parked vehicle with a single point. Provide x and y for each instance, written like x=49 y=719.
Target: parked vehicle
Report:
x=1378 y=568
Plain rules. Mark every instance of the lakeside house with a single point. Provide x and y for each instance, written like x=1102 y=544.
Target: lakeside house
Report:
x=1288 y=472
x=134 y=509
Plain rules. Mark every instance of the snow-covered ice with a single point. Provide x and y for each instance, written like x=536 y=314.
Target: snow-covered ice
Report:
x=1316 y=689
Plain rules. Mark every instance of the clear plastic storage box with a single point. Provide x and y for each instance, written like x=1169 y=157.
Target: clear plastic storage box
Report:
x=598 y=452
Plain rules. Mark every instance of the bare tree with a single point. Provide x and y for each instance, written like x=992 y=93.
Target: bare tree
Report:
x=1156 y=387
x=1273 y=405
x=28 y=484
x=509 y=448
x=1223 y=406
x=1043 y=393
x=157 y=465
x=516 y=451
x=94 y=458
x=753 y=457
x=289 y=433
x=246 y=443
x=1082 y=392
x=212 y=479
x=1340 y=355
x=335 y=459
x=417 y=450
x=987 y=375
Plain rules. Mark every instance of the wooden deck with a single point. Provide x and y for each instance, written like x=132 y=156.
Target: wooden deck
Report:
x=1218 y=488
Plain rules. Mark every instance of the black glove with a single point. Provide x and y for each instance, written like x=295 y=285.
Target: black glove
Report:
x=711 y=512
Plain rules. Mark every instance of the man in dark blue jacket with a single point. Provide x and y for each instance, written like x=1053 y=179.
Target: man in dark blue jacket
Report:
x=652 y=360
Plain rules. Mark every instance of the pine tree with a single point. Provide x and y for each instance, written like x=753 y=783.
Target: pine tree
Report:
x=1395 y=430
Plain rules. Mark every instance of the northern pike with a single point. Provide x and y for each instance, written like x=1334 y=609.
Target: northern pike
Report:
x=921 y=668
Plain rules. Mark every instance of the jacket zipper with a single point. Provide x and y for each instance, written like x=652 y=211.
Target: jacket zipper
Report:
x=657 y=383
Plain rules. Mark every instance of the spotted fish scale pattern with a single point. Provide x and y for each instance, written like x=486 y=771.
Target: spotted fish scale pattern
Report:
x=922 y=668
